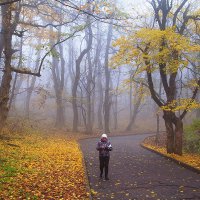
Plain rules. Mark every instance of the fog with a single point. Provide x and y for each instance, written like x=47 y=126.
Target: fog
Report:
x=78 y=90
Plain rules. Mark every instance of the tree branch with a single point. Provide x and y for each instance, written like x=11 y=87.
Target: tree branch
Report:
x=192 y=99
x=26 y=71
x=9 y=2
x=177 y=11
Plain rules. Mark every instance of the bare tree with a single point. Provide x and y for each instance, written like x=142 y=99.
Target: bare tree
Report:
x=77 y=76
x=107 y=101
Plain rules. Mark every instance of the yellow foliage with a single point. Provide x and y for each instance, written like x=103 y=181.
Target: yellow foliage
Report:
x=190 y=159
x=152 y=47
x=41 y=167
x=181 y=104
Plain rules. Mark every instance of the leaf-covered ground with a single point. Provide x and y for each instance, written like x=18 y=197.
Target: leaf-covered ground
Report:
x=41 y=167
x=189 y=159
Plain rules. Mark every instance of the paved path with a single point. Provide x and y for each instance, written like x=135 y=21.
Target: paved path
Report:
x=136 y=173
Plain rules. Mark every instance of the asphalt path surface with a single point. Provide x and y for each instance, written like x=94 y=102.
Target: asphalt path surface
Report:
x=136 y=173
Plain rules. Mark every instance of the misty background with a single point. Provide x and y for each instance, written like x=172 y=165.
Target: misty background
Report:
x=48 y=100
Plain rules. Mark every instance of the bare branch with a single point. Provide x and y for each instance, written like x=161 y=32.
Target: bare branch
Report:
x=192 y=100
x=177 y=11
x=50 y=24
x=25 y=71
x=8 y=2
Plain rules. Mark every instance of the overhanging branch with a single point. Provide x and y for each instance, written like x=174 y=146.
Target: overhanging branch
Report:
x=191 y=101
x=26 y=71
x=8 y=2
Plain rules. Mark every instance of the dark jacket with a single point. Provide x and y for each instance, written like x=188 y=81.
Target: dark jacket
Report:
x=104 y=147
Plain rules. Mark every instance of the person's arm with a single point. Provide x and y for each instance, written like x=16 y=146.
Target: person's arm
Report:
x=98 y=146
x=109 y=146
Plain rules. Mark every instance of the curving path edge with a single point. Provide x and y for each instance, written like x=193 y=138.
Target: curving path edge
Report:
x=136 y=173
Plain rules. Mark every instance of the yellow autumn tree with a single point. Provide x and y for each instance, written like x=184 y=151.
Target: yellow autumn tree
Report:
x=164 y=51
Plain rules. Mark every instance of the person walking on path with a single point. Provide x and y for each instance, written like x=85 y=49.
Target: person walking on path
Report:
x=104 y=147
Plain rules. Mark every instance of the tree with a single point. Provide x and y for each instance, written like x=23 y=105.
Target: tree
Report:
x=165 y=49
x=77 y=76
x=107 y=100
x=7 y=76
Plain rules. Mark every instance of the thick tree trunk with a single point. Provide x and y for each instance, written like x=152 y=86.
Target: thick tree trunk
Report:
x=178 y=137
x=174 y=128
x=7 y=76
x=170 y=135
x=3 y=13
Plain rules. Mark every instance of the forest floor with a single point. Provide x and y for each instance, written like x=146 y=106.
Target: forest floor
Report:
x=39 y=164
x=136 y=173
x=36 y=166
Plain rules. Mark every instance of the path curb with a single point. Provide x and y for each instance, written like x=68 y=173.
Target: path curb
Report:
x=86 y=175
x=180 y=163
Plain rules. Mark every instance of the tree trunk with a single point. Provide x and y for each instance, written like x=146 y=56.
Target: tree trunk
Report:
x=89 y=92
x=198 y=110
x=60 y=117
x=77 y=77
x=178 y=137
x=19 y=78
x=157 y=127
x=60 y=120
x=99 y=79
x=157 y=115
x=135 y=112
x=170 y=132
x=58 y=73
x=7 y=76
x=100 y=98
x=130 y=98
x=115 y=107
x=31 y=88
x=107 y=102
x=3 y=13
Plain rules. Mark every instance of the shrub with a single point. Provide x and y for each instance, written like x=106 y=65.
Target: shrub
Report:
x=192 y=137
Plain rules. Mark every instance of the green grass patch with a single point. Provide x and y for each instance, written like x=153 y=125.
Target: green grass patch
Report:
x=192 y=137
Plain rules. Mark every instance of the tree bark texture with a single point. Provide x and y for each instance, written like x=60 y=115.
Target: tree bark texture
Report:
x=7 y=76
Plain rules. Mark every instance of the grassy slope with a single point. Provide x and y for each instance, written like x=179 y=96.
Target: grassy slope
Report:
x=41 y=167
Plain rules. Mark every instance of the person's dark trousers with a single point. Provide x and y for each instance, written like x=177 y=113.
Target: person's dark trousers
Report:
x=104 y=162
